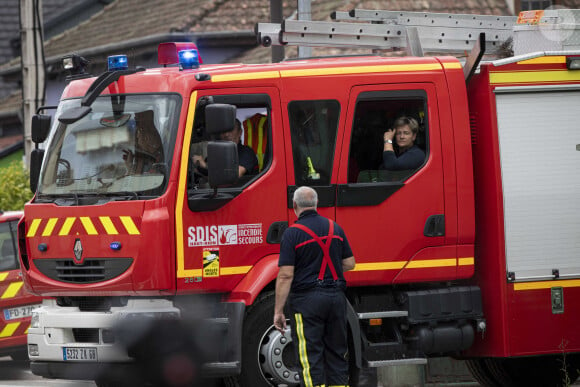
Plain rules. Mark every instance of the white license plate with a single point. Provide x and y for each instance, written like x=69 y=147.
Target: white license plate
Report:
x=19 y=312
x=79 y=354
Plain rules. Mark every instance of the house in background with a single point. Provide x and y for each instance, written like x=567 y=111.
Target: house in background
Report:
x=58 y=16
x=222 y=29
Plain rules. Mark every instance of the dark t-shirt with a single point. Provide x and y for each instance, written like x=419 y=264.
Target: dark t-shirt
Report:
x=247 y=159
x=412 y=158
x=298 y=249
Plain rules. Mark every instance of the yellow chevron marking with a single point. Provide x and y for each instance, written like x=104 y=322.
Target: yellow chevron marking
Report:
x=235 y=270
x=12 y=290
x=3 y=276
x=432 y=263
x=129 y=225
x=466 y=261
x=89 y=227
x=67 y=225
x=49 y=226
x=108 y=225
x=33 y=227
x=27 y=328
x=9 y=329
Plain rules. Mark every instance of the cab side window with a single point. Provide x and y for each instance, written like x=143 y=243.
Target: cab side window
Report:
x=8 y=250
x=251 y=133
x=313 y=128
x=376 y=112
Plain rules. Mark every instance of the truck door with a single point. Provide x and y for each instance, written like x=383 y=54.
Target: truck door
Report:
x=394 y=219
x=225 y=234
x=313 y=136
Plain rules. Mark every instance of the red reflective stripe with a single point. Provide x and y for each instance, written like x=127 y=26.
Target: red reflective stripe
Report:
x=325 y=246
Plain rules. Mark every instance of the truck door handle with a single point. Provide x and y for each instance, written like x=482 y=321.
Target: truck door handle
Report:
x=435 y=226
x=275 y=232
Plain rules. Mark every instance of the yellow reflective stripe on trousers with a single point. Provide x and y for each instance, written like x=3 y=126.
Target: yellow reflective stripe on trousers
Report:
x=307 y=379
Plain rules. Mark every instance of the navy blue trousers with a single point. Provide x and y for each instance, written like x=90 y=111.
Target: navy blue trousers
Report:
x=319 y=334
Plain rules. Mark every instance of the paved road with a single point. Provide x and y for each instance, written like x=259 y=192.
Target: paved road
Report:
x=17 y=373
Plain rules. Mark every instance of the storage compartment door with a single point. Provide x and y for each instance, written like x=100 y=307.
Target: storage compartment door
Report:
x=539 y=136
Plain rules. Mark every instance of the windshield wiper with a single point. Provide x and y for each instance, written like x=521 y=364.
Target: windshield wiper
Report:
x=51 y=198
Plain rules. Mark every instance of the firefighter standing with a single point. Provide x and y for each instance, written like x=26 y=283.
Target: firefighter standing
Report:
x=314 y=253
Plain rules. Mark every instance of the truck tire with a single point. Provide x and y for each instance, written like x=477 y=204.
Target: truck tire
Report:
x=268 y=358
x=547 y=371
x=480 y=372
x=260 y=338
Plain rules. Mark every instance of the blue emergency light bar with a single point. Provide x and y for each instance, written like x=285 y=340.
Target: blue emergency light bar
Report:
x=118 y=62
x=188 y=59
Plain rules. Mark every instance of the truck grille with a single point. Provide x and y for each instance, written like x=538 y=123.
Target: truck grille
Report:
x=86 y=335
x=90 y=271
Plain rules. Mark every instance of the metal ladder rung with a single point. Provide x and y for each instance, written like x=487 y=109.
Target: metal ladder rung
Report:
x=428 y=19
x=387 y=314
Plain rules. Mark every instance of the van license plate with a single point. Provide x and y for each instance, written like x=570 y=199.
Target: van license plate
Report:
x=79 y=354
x=19 y=312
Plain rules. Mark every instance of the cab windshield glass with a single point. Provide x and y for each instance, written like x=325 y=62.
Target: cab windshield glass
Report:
x=123 y=146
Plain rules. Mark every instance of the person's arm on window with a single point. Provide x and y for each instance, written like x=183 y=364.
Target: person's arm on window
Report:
x=411 y=159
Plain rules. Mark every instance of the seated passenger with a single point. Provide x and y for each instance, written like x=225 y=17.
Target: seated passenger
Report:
x=407 y=155
x=148 y=152
x=248 y=162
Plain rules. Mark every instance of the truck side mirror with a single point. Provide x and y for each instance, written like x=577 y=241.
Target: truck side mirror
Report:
x=40 y=127
x=219 y=118
x=36 y=156
x=222 y=163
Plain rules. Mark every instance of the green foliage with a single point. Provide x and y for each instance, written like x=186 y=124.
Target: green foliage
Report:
x=14 y=187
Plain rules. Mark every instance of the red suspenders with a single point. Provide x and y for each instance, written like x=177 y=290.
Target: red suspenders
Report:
x=325 y=246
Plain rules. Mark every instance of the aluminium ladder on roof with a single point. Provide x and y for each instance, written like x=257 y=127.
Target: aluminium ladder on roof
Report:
x=392 y=30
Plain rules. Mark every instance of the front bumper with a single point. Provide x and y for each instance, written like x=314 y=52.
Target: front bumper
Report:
x=126 y=339
x=59 y=327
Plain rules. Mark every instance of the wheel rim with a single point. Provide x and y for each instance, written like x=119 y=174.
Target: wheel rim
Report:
x=276 y=357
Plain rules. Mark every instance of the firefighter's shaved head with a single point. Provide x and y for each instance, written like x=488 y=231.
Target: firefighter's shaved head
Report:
x=304 y=198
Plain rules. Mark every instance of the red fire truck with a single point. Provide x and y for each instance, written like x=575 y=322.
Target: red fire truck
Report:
x=15 y=302
x=473 y=254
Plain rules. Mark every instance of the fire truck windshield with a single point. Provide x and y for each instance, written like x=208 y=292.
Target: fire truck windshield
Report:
x=124 y=145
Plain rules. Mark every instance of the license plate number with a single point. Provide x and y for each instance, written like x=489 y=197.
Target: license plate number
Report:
x=79 y=354
x=19 y=312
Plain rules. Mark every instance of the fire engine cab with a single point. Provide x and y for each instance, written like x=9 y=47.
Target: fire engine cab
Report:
x=473 y=253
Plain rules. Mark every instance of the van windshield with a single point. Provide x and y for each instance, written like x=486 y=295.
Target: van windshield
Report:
x=123 y=146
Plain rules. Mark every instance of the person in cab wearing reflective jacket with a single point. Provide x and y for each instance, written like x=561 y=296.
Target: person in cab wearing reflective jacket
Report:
x=314 y=254
x=248 y=162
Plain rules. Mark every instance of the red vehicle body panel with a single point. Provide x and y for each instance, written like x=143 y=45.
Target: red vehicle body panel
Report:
x=13 y=295
x=519 y=315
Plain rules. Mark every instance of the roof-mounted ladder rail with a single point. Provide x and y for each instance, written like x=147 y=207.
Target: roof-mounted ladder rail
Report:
x=392 y=30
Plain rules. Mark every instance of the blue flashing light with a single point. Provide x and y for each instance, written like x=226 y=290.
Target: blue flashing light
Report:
x=42 y=247
x=116 y=246
x=118 y=62
x=188 y=59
